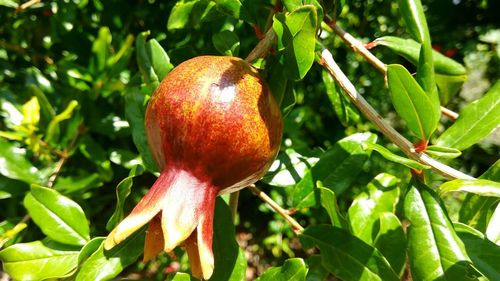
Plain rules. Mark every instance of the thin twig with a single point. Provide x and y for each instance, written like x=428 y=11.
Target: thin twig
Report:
x=233 y=204
x=360 y=48
x=263 y=47
x=28 y=4
x=284 y=213
x=405 y=145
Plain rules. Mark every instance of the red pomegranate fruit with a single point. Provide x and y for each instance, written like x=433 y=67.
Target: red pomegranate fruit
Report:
x=213 y=127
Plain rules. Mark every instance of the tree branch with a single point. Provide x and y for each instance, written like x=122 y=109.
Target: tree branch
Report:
x=284 y=213
x=263 y=47
x=405 y=145
x=358 y=47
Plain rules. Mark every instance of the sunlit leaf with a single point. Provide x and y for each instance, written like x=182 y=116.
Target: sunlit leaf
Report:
x=15 y=165
x=389 y=238
x=387 y=154
x=434 y=249
x=39 y=260
x=60 y=218
x=380 y=196
x=476 y=120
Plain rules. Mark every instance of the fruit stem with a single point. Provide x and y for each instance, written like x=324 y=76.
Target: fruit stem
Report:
x=233 y=204
x=297 y=228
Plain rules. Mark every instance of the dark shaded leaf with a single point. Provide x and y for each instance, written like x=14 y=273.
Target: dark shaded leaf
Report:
x=389 y=238
x=292 y=270
x=227 y=43
x=346 y=256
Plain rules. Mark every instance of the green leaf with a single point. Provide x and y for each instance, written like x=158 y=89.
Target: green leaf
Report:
x=414 y=106
x=282 y=87
x=493 y=230
x=8 y=233
x=337 y=169
x=292 y=5
x=476 y=210
x=88 y=249
x=434 y=249
x=477 y=120
x=389 y=238
x=296 y=34
x=101 y=49
x=443 y=152
x=239 y=9
x=135 y=109
x=39 y=260
x=316 y=271
x=123 y=190
x=484 y=253
x=9 y=3
x=381 y=195
x=105 y=265
x=288 y=168
x=52 y=133
x=478 y=186
x=449 y=86
x=329 y=202
x=413 y=15
x=345 y=111
x=227 y=43
x=94 y=152
x=12 y=188
x=60 y=218
x=387 y=154
x=346 y=256
x=293 y=269
x=180 y=276
x=159 y=59
x=410 y=50
x=187 y=13
x=15 y=165
x=67 y=185
x=230 y=262
x=154 y=63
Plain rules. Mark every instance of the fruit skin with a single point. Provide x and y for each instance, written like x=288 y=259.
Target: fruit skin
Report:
x=215 y=116
x=213 y=127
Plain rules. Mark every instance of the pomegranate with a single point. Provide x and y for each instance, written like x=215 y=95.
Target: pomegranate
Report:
x=213 y=127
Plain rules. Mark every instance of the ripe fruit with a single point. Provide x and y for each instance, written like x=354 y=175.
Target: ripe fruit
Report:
x=213 y=127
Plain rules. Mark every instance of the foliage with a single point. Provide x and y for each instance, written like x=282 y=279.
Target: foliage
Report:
x=76 y=77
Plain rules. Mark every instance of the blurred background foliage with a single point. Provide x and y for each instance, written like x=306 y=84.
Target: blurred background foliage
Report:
x=77 y=58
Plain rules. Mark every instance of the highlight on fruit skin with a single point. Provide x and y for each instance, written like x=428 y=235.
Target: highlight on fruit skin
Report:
x=213 y=127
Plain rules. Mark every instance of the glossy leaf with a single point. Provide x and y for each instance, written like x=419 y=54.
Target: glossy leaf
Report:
x=230 y=262
x=89 y=248
x=188 y=13
x=180 y=276
x=123 y=190
x=296 y=34
x=493 y=230
x=389 y=238
x=337 y=169
x=414 y=17
x=484 y=253
x=479 y=186
x=105 y=265
x=346 y=256
x=152 y=60
x=329 y=202
x=414 y=106
x=39 y=260
x=52 y=133
x=60 y=218
x=15 y=165
x=387 y=154
x=381 y=196
x=227 y=43
x=288 y=168
x=292 y=5
x=442 y=152
x=7 y=233
x=434 y=249
x=410 y=50
x=293 y=269
x=476 y=210
x=476 y=120
x=135 y=109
